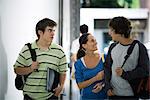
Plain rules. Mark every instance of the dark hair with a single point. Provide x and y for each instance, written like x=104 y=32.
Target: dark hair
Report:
x=82 y=40
x=121 y=25
x=42 y=24
x=83 y=28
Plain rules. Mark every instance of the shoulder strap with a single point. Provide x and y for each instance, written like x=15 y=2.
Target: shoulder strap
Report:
x=32 y=52
x=130 y=49
x=103 y=58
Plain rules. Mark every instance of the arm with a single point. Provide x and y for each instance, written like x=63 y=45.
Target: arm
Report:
x=107 y=70
x=62 y=77
x=86 y=83
x=61 y=86
x=73 y=57
x=26 y=70
x=142 y=69
x=79 y=77
x=21 y=67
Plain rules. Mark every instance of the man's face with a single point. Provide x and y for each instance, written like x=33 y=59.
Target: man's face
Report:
x=48 y=34
x=113 y=34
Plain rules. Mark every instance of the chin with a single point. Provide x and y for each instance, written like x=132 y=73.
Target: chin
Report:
x=96 y=49
x=113 y=39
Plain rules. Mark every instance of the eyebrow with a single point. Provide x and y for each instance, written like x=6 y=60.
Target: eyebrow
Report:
x=51 y=29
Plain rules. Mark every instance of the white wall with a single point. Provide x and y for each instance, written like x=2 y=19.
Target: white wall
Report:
x=87 y=15
x=17 y=26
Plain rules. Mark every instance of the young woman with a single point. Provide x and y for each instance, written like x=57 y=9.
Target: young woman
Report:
x=89 y=72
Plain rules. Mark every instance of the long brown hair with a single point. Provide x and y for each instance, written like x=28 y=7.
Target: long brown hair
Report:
x=82 y=40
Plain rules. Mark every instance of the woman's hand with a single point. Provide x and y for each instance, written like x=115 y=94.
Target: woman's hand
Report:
x=99 y=75
x=98 y=87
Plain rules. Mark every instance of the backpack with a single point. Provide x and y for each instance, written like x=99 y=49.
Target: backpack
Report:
x=21 y=79
x=142 y=88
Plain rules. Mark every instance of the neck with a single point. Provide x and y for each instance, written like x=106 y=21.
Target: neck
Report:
x=43 y=45
x=90 y=54
x=126 y=41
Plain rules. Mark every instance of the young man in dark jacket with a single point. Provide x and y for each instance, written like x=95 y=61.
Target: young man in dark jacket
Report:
x=118 y=77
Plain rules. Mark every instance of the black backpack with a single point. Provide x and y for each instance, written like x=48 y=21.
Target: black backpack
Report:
x=21 y=79
x=140 y=86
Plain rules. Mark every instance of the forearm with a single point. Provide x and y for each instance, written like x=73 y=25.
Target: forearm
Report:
x=23 y=70
x=87 y=83
x=62 y=79
x=107 y=77
x=138 y=72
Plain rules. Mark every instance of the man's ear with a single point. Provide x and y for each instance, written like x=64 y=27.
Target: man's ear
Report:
x=40 y=32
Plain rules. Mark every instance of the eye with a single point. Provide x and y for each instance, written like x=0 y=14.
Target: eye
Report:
x=93 y=40
x=50 y=30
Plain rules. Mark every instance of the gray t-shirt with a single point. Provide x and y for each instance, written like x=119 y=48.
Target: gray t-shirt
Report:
x=121 y=87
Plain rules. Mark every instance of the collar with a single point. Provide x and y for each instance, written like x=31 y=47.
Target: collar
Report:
x=35 y=46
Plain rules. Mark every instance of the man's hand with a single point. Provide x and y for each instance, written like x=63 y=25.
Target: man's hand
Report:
x=110 y=92
x=119 y=71
x=35 y=65
x=58 y=90
x=73 y=57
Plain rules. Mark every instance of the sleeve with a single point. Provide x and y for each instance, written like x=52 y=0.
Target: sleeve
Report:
x=78 y=72
x=107 y=68
x=75 y=46
x=142 y=69
x=63 y=64
x=21 y=60
x=107 y=71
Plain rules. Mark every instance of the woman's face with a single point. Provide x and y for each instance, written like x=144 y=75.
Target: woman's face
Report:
x=91 y=44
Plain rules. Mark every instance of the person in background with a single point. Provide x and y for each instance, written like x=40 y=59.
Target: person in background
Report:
x=75 y=43
x=50 y=55
x=89 y=72
x=117 y=77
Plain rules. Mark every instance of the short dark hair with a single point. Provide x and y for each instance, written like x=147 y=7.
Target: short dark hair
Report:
x=42 y=24
x=83 y=28
x=121 y=25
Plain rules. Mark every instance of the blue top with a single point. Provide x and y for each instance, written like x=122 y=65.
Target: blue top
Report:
x=83 y=73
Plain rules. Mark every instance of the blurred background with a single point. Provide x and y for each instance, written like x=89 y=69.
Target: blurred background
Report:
x=19 y=17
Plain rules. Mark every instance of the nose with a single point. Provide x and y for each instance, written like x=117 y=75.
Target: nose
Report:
x=53 y=32
x=95 y=42
x=109 y=33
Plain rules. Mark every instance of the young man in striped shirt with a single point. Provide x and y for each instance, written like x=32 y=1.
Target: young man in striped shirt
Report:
x=49 y=55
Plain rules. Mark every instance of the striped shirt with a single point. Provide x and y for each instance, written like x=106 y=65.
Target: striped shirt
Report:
x=53 y=58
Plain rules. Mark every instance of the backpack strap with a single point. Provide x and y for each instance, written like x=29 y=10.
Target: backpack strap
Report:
x=103 y=58
x=130 y=49
x=32 y=52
